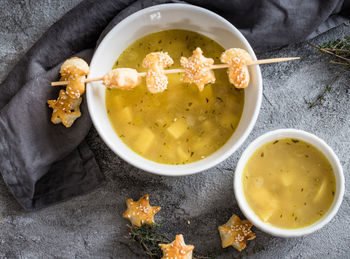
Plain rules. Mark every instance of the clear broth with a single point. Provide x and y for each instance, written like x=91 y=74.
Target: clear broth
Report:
x=180 y=125
x=289 y=183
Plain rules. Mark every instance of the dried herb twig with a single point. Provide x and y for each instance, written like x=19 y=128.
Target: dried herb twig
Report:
x=334 y=52
x=339 y=51
x=327 y=89
x=149 y=238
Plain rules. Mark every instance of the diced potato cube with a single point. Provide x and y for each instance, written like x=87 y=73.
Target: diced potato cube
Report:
x=117 y=102
x=263 y=197
x=207 y=125
x=125 y=114
x=144 y=140
x=183 y=155
x=266 y=213
x=287 y=178
x=200 y=144
x=190 y=120
x=229 y=120
x=177 y=129
x=267 y=204
x=321 y=190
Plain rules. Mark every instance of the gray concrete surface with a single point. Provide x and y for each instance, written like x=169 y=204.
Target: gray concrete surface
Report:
x=91 y=226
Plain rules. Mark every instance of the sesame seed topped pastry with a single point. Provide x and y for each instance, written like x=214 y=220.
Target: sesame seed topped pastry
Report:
x=156 y=80
x=74 y=70
x=74 y=66
x=140 y=212
x=122 y=78
x=236 y=232
x=65 y=109
x=198 y=69
x=237 y=59
x=177 y=249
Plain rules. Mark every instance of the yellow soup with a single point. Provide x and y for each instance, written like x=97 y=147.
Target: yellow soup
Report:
x=289 y=183
x=180 y=125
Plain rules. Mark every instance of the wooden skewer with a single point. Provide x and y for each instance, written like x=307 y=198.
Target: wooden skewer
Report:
x=181 y=70
x=87 y=80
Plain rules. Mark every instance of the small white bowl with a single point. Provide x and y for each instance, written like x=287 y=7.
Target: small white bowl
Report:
x=158 y=18
x=295 y=134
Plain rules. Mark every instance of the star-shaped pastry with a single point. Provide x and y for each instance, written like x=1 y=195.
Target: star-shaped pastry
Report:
x=236 y=232
x=177 y=249
x=140 y=212
x=198 y=69
x=156 y=80
x=74 y=70
x=237 y=59
x=65 y=109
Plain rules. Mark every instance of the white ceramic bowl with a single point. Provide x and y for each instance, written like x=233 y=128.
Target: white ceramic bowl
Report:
x=295 y=134
x=153 y=19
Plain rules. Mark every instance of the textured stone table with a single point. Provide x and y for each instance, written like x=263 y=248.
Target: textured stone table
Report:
x=91 y=226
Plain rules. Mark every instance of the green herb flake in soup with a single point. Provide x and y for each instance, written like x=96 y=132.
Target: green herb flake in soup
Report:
x=180 y=125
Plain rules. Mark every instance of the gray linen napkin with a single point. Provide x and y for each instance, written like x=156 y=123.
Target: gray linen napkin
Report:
x=43 y=163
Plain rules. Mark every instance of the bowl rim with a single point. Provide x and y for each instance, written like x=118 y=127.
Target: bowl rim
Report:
x=178 y=170
x=304 y=136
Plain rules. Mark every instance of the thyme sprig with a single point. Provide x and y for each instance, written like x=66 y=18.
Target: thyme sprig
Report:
x=149 y=238
x=339 y=52
x=327 y=89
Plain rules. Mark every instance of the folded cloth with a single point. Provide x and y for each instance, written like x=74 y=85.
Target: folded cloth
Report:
x=43 y=163
x=274 y=23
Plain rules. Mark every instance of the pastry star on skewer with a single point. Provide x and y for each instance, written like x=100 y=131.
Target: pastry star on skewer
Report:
x=140 y=212
x=237 y=72
x=122 y=78
x=74 y=70
x=236 y=233
x=177 y=249
x=198 y=69
x=155 y=62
